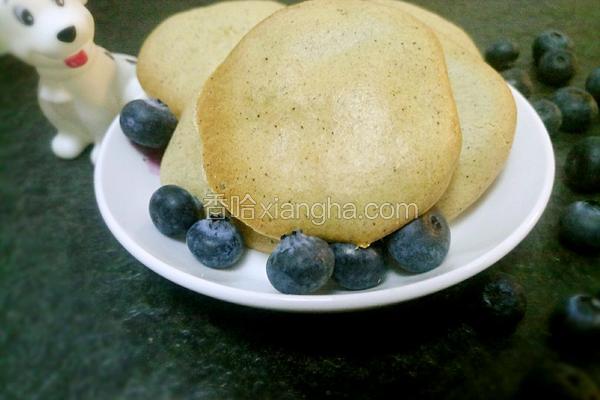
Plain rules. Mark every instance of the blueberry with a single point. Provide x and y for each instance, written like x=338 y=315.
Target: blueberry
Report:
x=215 y=242
x=502 y=54
x=500 y=304
x=582 y=166
x=148 y=123
x=550 y=40
x=549 y=113
x=422 y=245
x=592 y=84
x=580 y=226
x=519 y=79
x=556 y=67
x=578 y=108
x=173 y=210
x=356 y=268
x=300 y=264
x=576 y=322
x=558 y=381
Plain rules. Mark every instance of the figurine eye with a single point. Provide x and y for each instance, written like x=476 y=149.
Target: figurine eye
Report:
x=60 y=3
x=23 y=15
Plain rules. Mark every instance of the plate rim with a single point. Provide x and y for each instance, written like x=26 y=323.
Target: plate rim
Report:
x=340 y=302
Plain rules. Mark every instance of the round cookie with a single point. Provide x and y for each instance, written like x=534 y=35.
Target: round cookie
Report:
x=443 y=28
x=182 y=52
x=331 y=102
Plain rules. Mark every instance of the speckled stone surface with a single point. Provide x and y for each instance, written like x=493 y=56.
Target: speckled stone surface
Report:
x=82 y=319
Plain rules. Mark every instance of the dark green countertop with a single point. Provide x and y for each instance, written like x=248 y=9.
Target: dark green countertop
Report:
x=80 y=318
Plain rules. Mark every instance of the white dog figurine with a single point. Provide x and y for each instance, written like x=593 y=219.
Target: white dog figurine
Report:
x=82 y=86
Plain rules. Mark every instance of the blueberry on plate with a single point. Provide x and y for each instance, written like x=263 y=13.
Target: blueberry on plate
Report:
x=582 y=167
x=550 y=40
x=592 y=84
x=174 y=210
x=576 y=322
x=215 y=242
x=578 y=108
x=549 y=113
x=556 y=67
x=421 y=245
x=357 y=268
x=148 y=123
x=502 y=54
x=300 y=264
x=519 y=79
x=500 y=304
x=580 y=226
x=557 y=381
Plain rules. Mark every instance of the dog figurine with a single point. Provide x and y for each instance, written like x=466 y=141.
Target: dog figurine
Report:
x=82 y=86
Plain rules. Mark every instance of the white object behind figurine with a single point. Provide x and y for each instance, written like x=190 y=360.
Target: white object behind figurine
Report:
x=82 y=86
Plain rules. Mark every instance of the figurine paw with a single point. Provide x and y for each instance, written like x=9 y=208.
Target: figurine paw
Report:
x=95 y=152
x=67 y=146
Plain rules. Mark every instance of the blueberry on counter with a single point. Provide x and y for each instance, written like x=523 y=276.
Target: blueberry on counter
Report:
x=558 y=381
x=578 y=108
x=421 y=245
x=500 y=304
x=582 y=167
x=357 y=268
x=549 y=113
x=550 y=40
x=580 y=226
x=502 y=54
x=174 y=210
x=556 y=67
x=576 y=322
x=592 y=84
x=300 y=264
x=519 y=79
x=215 y=242
x=148 y=123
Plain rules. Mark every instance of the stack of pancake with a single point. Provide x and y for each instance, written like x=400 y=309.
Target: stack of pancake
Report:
x=345 y=103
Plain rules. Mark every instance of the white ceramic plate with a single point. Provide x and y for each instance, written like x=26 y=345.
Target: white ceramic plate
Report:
x=125 y=179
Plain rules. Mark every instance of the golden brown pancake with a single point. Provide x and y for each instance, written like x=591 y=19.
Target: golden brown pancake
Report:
x=488 y=118
x=339 y=102
x=182 y=162
x=182 y=52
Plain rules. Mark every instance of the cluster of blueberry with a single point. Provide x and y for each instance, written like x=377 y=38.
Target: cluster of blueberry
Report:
x=303 y=264
x=215 y=242
x=499 y=303
x=575 y=333
x=575 y=323
x=569 y=109
x=300 y=264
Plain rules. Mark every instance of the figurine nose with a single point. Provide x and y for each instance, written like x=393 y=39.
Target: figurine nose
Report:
x=67 y=35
